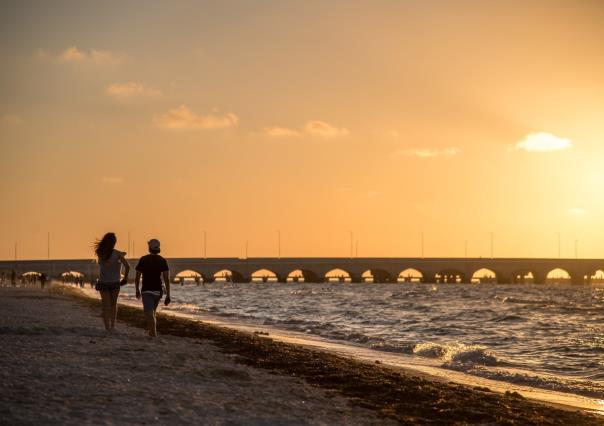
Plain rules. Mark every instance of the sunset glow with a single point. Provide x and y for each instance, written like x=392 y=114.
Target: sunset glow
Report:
x=391 y=120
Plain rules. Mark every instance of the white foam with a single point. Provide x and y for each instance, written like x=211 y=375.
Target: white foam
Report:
x=542 y=381
x=456 y=354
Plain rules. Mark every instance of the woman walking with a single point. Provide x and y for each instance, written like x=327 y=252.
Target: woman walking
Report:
x=110 y=262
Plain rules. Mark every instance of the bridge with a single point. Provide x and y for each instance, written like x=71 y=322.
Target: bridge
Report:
x=317 y=270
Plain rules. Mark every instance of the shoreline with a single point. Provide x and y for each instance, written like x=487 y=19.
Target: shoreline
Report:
x=58 y=367
x=432 y=370
x=397 y=361
x=399 y=394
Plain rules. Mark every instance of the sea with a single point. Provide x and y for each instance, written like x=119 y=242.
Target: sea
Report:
x=544 y=336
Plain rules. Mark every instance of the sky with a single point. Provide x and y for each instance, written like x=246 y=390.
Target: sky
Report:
x=463 y=121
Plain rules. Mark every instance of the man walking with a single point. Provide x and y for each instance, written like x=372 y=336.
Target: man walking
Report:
x=153 y=268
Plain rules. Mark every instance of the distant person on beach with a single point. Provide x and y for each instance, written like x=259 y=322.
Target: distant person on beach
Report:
x=13 y=277
x=153 y=268
x=42 y=280
x=110 y=263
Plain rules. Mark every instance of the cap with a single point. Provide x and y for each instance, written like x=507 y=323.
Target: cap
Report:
x=153 y=244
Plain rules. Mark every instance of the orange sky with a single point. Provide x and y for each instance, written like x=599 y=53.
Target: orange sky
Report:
x=388 y=119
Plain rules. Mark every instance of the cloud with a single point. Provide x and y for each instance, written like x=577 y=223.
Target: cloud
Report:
x=312 y=128
x=124 y=91
x=74 y=55
x=11 y=120
x=429 y=153
x=576 y=211
x=71 y=54
x=183 y=118
x=281 y=132
x=323 y=129
x=542 y=142
x=112 y=180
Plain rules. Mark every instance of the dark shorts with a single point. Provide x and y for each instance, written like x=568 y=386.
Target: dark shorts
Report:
x=107 y=286
x=150 y=301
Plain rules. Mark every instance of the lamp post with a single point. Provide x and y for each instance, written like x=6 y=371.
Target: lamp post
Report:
x=576 y=249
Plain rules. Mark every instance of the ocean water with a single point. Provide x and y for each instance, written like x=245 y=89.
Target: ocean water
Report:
x=545 y=336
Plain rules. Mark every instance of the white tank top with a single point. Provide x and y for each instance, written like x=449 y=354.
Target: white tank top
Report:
x=109 y=270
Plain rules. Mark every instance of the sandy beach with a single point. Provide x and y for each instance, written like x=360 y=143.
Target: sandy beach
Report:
x=58 y=367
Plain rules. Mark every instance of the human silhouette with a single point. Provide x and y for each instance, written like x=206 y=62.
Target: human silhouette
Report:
x=110 y=262
x=152 y=268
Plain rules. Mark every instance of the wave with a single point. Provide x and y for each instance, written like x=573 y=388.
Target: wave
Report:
x=405 y=348
x=554 y=383
x=430 y=350
x=541 y=330
x=456 y=354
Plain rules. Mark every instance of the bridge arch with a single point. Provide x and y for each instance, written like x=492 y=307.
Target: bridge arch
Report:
x=410 y=275
x=375 y=275
x=484 y=276
x=227 y=275
x=74 y=277
x=264 y=276
x=338 y=275
x=597 y=277
x=30 y=276
x=295 y=276
x=71 y=276
x=303 y=275
x=558 y=276
x=188 y=275
x=450 y=276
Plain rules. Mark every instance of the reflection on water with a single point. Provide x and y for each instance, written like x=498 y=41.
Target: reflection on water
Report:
x=549 y=336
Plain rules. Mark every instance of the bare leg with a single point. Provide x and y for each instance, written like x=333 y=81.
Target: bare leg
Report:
x=113 y=315
x=106 y=303
x=150 y=315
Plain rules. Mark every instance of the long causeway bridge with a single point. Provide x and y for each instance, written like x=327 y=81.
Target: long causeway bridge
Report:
x=322 y=269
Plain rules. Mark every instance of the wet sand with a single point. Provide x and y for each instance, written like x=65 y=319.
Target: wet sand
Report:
x=56 y=367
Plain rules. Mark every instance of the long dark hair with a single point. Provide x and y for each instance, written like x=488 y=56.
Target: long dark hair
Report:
x=104 y=247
